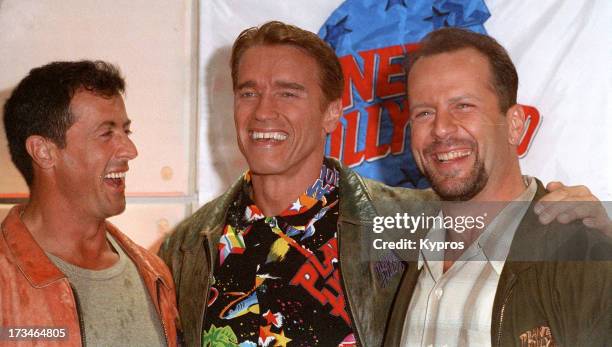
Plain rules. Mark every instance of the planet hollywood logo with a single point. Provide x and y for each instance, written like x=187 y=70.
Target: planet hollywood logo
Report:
x=372 y=37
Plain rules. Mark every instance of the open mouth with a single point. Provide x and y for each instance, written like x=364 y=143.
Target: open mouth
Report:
x=444 y=157
x=115 y=179
x=268 y=136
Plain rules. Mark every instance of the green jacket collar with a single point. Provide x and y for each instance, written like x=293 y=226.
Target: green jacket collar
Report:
x=355 y=201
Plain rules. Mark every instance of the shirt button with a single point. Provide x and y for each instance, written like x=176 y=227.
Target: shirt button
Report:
x=439 y=293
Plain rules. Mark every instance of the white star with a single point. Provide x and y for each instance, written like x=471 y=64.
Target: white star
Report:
x=296 y=206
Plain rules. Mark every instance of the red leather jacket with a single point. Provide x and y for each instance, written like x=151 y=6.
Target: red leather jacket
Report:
x=34 y=293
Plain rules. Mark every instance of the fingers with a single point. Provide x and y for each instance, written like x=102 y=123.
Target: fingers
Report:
x=566 y=212
x=570 y=203
x=560 y=192
x=554 y=185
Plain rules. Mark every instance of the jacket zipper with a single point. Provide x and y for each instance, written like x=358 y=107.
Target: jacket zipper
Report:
x=78 y=309
x=501 y=317
x=346 y=293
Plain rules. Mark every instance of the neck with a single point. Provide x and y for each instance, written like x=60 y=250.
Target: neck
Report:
x=61 y=230
x=273 y=193
x=486 y=205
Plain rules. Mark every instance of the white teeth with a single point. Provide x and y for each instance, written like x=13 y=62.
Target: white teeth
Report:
x=115 y=175
x=272 y=135
x=453 y=155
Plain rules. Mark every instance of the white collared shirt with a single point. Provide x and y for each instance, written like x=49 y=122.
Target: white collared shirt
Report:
x=455 y=308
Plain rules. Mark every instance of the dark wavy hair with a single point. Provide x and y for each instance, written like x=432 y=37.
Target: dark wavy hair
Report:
x=40 y=104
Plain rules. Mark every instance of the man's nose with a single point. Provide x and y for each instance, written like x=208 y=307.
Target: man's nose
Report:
x=445 y=124
x=266 y=108
x=127 y=148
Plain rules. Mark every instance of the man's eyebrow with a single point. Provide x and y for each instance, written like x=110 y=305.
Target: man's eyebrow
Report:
x=247 y=84
x=451 y=100
x=112 y=124
x=463 y=97
x=417 y=105
x=290 y=85
x=108 y=123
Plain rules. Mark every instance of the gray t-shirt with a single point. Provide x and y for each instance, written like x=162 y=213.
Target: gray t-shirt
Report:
x=114 y=303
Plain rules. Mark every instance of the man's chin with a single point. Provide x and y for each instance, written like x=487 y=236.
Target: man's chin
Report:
x=267 y=167
x=457 y=190
x=115 y=208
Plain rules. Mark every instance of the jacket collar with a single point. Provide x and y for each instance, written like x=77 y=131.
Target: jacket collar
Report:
x=38 y=269
x=355 y=201
x=217 y=215
x=29 y=257
x=135 y=253
x=530 y=232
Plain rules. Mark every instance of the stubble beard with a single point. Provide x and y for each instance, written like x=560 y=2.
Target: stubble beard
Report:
x=462 y=190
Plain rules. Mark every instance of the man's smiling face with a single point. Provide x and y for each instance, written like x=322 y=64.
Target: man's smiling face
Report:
x=280 y=111
x=458 y=132
x=90 y=170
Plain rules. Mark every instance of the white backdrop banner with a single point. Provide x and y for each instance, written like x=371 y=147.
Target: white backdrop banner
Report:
x=562 y=51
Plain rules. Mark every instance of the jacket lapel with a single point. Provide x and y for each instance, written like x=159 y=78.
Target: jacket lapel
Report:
x=529 y=233
x=29 y=257
x=199 y=256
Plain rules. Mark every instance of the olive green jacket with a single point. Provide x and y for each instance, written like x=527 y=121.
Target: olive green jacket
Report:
x=568 y=295
x=190 y=252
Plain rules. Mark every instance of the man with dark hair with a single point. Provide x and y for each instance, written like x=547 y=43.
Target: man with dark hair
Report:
x=515 y=282
x=284 y=255
x=68 y=276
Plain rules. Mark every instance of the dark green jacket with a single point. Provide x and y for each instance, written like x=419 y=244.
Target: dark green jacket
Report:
x=190 y=252
x=570 y=296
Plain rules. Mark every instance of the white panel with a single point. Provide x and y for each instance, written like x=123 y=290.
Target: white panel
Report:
x=562 y=51
x=147 y=224
x=150 y=40
x=4 y=210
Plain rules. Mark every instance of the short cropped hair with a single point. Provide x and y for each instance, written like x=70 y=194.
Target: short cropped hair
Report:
x=503 y=72
x=40 y=104
x=278 y=33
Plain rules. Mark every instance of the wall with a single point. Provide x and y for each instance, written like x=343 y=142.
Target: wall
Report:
x=154 y=43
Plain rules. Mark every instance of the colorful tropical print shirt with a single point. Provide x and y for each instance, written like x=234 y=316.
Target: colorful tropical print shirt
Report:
x=277 y=281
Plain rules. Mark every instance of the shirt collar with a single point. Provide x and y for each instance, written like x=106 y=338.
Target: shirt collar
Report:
x=496 y=239
x=326 y=183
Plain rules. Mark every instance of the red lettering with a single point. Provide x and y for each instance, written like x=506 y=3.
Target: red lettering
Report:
x=411 y=47
x=389 y=68
x=324 y=269
x=350 y=155
x=400 y=119
x=307 y=277
x=338 y=305
x=312 y=269
x=383 y=66
x=363 y=82
x=335 y=141
x=373 y=150
x=334 y=282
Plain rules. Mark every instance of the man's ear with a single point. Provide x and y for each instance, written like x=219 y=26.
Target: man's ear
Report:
x=42 y=150
x=515 y=121
x=332 y=115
